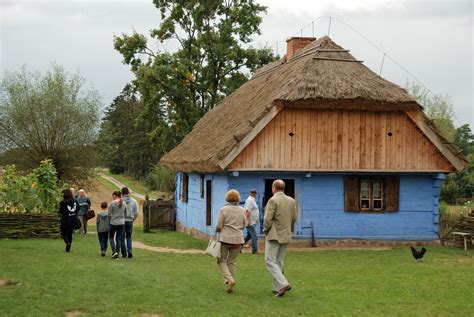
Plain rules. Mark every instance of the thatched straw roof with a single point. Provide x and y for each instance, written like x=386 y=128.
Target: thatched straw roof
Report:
x=322 y=75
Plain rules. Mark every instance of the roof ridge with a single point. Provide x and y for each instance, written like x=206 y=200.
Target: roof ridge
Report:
x=338 y=59
x=285 y=62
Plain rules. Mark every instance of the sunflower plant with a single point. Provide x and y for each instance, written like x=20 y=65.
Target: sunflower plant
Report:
x=37 y=192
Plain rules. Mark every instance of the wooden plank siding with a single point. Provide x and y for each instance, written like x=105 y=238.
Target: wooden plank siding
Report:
x=341 y=140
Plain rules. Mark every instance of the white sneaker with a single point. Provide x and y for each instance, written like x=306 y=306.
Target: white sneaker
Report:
x=115 y=256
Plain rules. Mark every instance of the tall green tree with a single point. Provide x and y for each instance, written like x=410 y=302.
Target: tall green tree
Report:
x=49 y=116
x=123 y=143
x=464 y=139
x=458 y=187
x=438 y=108
x=212 y=61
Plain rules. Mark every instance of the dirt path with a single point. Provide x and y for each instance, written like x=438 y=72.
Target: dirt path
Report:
x=119 y=185
x=140 y=245
x=100 y=193
x=143 y=246
x=247 y=249
x=340 y=248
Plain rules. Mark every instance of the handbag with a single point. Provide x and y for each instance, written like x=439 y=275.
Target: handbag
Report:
x=90 y=214
x=214 y=247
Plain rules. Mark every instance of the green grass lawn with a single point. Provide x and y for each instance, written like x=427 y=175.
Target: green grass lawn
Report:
x=164 y=238
x=107 y=184
x=171 y=239
x=326 y=283
x=460 y=210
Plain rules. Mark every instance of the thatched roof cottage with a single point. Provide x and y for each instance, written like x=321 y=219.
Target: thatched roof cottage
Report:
x=356 y=151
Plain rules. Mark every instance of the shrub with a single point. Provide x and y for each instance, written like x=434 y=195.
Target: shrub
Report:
x=161 y=178
x=47 y=186
x=49 y=115
x=116 y=169
x=443 y=207
x=449 y=190
x=18 y=193
x=36 y=192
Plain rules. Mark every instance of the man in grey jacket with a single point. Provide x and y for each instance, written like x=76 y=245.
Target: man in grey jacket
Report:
x=280 y=217
x=130 y=215
x=116 y=212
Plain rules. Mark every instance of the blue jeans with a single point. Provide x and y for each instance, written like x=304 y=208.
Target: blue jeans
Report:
x=252 y=234
x=128 y=237
x=117 y=232
x=103 y=236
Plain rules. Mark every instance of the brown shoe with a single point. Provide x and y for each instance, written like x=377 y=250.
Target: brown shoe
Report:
x=230 y=287
x=283 y=290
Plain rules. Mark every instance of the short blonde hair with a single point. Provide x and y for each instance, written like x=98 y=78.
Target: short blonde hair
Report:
x=279 y=184
x=232 y=196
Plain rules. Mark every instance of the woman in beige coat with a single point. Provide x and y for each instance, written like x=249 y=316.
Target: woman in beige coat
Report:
x=230 y=224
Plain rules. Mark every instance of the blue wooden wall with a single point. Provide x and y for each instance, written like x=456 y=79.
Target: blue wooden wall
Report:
x=193 y=213
x=320 y=199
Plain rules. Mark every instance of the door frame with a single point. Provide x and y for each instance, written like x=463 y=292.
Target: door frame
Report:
x=267 y=194
x=208 y=202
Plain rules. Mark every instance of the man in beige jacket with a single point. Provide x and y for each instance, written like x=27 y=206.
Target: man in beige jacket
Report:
x=280 y=217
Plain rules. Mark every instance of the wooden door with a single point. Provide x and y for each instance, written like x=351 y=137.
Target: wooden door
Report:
x=208 y=203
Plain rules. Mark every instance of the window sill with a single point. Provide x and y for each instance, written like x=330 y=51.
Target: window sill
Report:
x=369 y=211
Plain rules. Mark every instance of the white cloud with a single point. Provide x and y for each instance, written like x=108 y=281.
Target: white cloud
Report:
x=431 y=38
x=311 y=6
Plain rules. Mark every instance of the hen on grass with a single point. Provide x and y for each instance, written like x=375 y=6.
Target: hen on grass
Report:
x=418 y=254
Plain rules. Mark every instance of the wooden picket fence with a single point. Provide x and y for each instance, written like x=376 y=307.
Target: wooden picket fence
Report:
x=27 y=226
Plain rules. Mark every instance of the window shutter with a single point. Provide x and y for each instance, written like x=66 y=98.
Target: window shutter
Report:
x=184 y=188
x=351 y=193
x=202 y=186
x=392 y=193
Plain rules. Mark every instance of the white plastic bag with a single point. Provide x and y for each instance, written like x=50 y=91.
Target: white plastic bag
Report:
x=214 y=248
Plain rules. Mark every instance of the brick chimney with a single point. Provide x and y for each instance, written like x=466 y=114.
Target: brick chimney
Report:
x=295 y=43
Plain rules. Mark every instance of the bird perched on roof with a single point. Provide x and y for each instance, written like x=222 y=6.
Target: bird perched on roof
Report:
x=418 y=254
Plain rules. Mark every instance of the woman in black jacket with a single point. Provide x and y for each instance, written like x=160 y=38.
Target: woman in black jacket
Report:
x=68 y=209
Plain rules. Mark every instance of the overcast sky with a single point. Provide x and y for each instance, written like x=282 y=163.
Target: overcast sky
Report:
x=432 y=39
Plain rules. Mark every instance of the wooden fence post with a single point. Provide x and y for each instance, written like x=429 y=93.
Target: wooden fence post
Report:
x=146 y=214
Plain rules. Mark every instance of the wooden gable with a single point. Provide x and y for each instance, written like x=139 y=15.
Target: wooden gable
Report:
x=341 y=140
